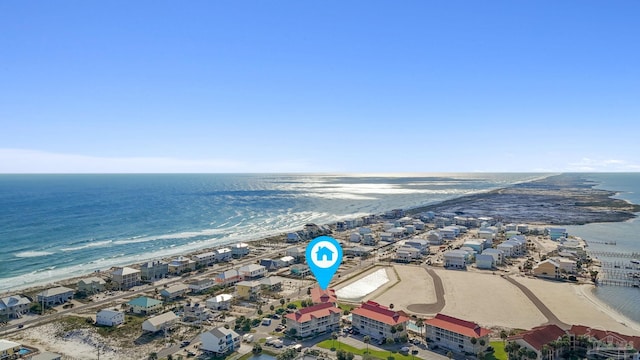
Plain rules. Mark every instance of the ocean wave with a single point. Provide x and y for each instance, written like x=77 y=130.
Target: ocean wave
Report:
x=89 y=245
x=31 y=254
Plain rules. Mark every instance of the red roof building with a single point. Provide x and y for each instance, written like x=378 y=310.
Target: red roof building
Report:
x=456 y=334
x=319 y=296
x=538 y=337
x=379 y=321
x=606 y=343
x=314 y=319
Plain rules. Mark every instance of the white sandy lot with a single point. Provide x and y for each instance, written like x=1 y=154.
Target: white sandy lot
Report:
x=415 y=287
x=488 y=300
x=366 y=285
x=574 y=304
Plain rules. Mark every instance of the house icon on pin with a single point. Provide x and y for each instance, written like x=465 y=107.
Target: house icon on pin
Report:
x=324 y=252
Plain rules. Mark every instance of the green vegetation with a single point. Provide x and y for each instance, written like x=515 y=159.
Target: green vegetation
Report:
x=374 y=354
x=498 y=351
x=346 y=307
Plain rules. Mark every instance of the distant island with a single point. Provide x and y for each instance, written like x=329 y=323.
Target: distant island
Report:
x=565 y=199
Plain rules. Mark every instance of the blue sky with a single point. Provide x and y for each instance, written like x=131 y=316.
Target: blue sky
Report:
x=331 y=86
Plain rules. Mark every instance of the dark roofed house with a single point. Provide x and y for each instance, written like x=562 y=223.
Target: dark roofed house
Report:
x=607 y=344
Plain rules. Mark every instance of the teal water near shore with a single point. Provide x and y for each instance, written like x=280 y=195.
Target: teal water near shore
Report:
x=626 y=235
x=56 y=226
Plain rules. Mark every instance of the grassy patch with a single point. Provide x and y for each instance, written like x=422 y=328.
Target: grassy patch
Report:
x=69 y=323
x=347 y=307
x=498 y=352
x=131 y=328
x=378 y=354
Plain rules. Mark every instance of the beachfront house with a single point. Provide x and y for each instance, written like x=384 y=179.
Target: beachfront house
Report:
x=55 y=296
x=319 y=296
x=407 y=254
x=228 y=277
x=240 y=250
x=220 y=341
x=314 y=320
x=549 y=269
x=144 y=305
x=538 y=339
x=252 y=271
x=355 y=237
x=270 y=264
x=14 y=306
x=160 y=322
x=379 y=322
x=456 y=334
x=300 y=270
x=456 y=259
x=9 y=349
x=201 y=285
x=181 y=265
x=293 y=237
x=566 y=265
x=174 y=291
x=109 y=317
x=124 y=278
x=154 y=270
x=91 y=285
x=522 y=228
x=248 y=290
x=205 y=259
x=220 y=302
x=224 y=254
x=485 y=261
x=369 y=240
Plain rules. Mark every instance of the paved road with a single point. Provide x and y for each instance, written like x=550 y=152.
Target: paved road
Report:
x=551 y=317
x=436 y=307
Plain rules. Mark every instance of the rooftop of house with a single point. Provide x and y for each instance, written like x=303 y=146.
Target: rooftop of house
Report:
x=540 y=336
x=314 y=312
x=319 y=296
x=93 y=279
x=162 y=318
x=55 y=291
x=375 y=311
x=122 y=271
x=458 y=326
x=144 y=301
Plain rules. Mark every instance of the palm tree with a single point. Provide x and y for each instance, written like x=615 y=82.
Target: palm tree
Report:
x=482 y=342
x=504 y=336
x=473 y=341
x=420 y=325
x=367 y=340
x=334 y=336
x=450 y=355
x=282 y=301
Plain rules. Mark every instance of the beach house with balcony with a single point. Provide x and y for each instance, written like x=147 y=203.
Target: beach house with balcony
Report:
x=154 y=270
x=379 y=322
x=228 y=277
x=14 y=306
x=485 y=261
x=124 y=278
x=421 y=245
x=252 y=271
x=498 y=255
x=144 y=305
x=160 y=322
x=9 y=349
x=456 y=334
x=181 y=265
x=220 y=302
x=314 y=320
x=406 y=254
x=175 y=291
x=248 y=290
x=434 y=237
x=220 y=341
x=549 y=269
x=205 y=259
x=556 y=233
x=91 y=285
x=300 y=270
x=109 y=317
x=55 y=296
x=456 y=259
x=224 y=254
x=201 y=285
x=240 y=250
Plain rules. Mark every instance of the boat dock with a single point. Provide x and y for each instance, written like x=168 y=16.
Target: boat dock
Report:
x=614 y=254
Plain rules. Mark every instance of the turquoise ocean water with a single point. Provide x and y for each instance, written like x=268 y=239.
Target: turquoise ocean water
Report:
x=56 y=226
x=53 y=226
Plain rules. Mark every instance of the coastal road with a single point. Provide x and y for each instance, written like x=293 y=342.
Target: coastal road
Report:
x=551 y=317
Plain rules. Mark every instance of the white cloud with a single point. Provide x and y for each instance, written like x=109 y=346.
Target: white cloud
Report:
x=34 y=161
x=602 y=165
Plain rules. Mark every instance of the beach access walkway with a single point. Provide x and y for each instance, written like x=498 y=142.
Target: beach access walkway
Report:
x=546 y=312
